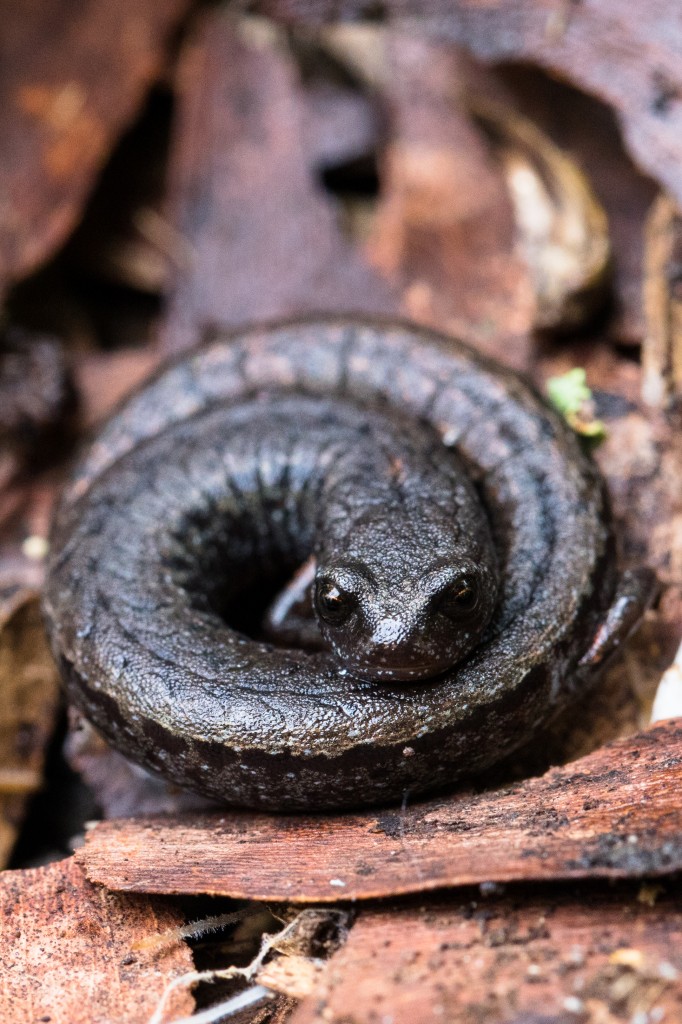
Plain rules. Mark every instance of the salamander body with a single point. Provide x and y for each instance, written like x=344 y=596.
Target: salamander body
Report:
x=466 y=582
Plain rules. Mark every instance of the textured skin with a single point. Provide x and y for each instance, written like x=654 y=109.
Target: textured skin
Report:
x=213 y=477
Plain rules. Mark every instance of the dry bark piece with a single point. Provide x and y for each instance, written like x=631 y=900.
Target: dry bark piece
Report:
x=302 y=947
x=588 y=819
x=294 y=976
x=662 y=351
x=29 y=685
x=606 y=47
x=70 y=80
x=444 y=226
x=571 y=957
x=261 y=238
x=69 y=950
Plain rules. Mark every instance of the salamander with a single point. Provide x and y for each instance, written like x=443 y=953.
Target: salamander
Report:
x=466 y=585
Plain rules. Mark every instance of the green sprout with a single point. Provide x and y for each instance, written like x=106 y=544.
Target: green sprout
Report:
x=570 y=396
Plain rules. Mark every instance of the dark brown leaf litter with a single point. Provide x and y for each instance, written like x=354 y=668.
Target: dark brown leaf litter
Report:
x=555 y=958
x=36 y=405
x=257 y=237
x=70 y=80
x=613 y=814
x=75 y=953
x=606 y=47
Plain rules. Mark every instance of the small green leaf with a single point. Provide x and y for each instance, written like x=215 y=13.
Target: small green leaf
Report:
x=570 y=395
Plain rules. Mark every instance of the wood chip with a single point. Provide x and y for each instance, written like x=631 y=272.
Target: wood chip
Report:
x=293 y=976
x=70 y=956
x=613 y=814
x=583 y=956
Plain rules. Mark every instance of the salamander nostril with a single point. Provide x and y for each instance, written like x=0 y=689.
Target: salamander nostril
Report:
x=389 y=631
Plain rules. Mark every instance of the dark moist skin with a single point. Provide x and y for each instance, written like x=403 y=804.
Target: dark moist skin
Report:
x=465 y=579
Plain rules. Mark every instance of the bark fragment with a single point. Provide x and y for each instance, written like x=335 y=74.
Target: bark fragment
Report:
x=613 y=814
x=444 y=226
x=606 y=47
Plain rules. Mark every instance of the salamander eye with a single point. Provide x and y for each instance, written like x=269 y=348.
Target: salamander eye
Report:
x=333 y=604
x=460 y=598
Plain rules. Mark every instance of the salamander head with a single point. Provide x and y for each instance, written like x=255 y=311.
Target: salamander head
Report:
x=405 y=626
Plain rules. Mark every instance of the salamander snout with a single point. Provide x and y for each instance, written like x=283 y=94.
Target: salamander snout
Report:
x=407 y=629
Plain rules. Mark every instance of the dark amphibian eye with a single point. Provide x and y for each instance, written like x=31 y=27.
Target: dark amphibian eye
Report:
x=460 y=598
x=333 y=604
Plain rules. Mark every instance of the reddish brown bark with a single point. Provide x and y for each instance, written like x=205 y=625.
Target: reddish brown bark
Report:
x=444 y=227
x=613 y=814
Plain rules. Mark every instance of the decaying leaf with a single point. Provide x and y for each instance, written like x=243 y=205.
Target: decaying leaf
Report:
x=444 y=226
x=30 y=692
x=70 y=80
x=610 y=48
x=69 y=951
x=587 y=131
x=262 y=235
